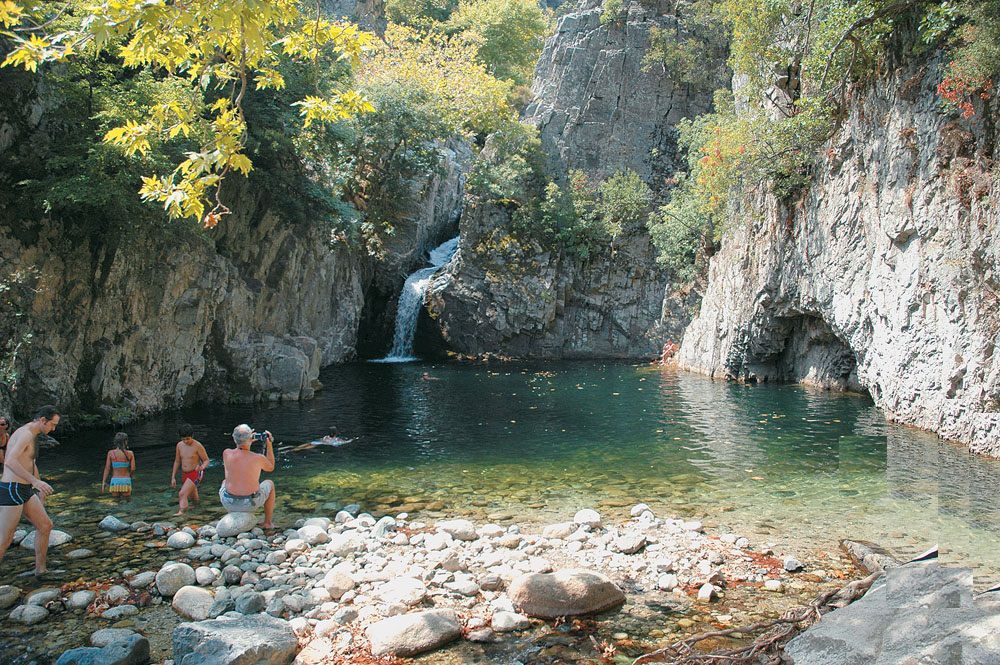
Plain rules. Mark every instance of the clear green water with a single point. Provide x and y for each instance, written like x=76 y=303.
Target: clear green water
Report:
x=534 y=443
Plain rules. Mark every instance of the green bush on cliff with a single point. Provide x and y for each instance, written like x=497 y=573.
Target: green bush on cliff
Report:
x=797 y=64
x=509 y=33
x=17 y=292
x=695 y=51
x=425 y=88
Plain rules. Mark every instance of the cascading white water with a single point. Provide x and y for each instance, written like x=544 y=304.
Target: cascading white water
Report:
x=411 y=298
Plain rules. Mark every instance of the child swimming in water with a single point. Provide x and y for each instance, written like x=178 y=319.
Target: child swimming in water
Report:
x=120 y=463
x=331 y=439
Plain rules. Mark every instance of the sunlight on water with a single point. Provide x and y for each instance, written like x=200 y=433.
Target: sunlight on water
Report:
x=534 y=443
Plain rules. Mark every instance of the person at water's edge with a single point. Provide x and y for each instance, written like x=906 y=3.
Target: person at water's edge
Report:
x=192 y=460
x=22 y=491
x=242 y=491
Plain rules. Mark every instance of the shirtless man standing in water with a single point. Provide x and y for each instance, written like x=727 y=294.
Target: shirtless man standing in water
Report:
x=21 y=490
x=192 y=460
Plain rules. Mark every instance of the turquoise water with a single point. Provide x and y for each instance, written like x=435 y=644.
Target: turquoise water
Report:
x=533 y=443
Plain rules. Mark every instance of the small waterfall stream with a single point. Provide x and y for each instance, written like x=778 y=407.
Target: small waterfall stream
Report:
x=411 y=299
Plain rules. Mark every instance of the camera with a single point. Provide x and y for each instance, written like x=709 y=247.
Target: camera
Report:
x=261 y=436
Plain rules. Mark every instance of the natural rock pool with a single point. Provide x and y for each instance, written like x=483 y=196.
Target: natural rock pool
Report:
x=533 y=443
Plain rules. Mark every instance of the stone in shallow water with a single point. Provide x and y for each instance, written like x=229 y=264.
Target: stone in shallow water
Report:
x=120 y=612
x=106 y=636
x=81 y=553
x=29 y=614
x=192 y=602
x=56 y=538
x=133 y=650
x=259 y=639
x=79 y=600
x=41 y=596
x=234 y=524
x=142 y=580
x=113 y=524
x=180 y=540
x=172 y=577
x=564 y=593
x=8 y=595
x=411 y=634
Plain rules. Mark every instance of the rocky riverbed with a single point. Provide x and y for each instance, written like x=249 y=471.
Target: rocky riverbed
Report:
x=340 y=588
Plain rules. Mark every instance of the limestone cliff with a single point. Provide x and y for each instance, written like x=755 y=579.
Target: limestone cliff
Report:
x=885 y=277
x=599 y=110
x=161 y=318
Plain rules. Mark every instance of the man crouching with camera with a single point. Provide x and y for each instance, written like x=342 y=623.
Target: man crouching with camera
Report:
x=242 y=491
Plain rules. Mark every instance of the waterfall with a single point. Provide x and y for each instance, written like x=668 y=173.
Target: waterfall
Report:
x=411 y=299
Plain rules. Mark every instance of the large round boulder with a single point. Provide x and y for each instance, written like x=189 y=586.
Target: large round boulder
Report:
x=172 y=577
x=564 y=593
x=234 y=524
x=410 y=634
x=192 y=602
x=56 y=538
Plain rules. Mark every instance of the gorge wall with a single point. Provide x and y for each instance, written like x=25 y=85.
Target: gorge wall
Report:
x=248 y=311
x=884 y=277
x=598 y=110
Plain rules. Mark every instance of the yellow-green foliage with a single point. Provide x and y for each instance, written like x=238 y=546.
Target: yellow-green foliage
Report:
x=446 y=70
x=219 y=49
x=613 y=11
x=510 y=34
x=694 y=52
x=423 y=14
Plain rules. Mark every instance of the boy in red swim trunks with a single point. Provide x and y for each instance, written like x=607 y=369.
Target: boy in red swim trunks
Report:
x=192 y=460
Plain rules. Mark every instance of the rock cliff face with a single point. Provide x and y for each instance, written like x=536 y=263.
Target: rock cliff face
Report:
x=163 y=318
x=600 y=111
x=886 y=277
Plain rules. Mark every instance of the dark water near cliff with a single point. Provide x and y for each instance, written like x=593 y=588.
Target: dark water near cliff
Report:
x=535 y=443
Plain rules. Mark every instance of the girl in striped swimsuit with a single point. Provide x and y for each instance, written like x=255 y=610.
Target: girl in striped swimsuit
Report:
x=120 y=463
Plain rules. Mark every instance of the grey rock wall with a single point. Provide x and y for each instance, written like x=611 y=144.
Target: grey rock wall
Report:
x=600 y=111
x=886 y=277
x=597 y=107
x=249 y=311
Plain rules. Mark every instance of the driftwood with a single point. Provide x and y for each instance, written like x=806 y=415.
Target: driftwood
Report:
x=772 y=635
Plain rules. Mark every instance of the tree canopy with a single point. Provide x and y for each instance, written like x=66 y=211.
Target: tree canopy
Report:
x=208 y=53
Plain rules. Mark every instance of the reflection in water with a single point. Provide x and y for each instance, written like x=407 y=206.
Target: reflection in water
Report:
x=536 y=442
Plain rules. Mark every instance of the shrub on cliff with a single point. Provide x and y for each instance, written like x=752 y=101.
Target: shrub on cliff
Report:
x=797 y=65
x=425 y=88
x=510 y=35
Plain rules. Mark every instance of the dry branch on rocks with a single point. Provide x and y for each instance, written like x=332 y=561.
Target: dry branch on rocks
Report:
x=772 y=635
